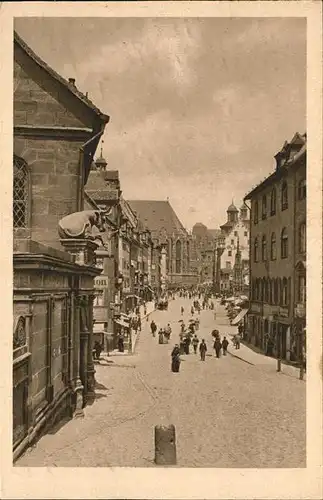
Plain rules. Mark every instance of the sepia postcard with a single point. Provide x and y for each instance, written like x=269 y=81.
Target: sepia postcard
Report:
x=161 y=218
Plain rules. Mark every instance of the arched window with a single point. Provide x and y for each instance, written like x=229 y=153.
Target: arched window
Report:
x=284 y=244
x=178 y=257
x=255 y=250
x=264 y=207
x=264 y=248
x=273 y=249
x=273 y=201
x=269 y=291
x=284 y=292
x=20 y=193
x=302 y=238
x=255 y=212
x=275 y=291
x=265 y=290
x=302 y=189
x=284 y=196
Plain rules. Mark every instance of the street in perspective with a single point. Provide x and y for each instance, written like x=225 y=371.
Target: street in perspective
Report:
x=240 y=405
x=159 y=229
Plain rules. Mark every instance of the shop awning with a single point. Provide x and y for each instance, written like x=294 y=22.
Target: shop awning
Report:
x=239 y=317
x=125 y=317
x=121 y=323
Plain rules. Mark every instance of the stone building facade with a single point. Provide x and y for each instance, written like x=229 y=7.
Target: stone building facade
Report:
x=277 y=312
x=56 y=132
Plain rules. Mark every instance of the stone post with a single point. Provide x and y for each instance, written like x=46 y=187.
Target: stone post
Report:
x=77 y=385
x=165 y=445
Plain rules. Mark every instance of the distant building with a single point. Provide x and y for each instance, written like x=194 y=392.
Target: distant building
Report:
x=205 y=242
x=277 y=315
x=232 y=267
x=167 y=231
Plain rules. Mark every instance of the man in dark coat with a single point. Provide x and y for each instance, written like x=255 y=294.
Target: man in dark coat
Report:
x=203 y=350
x=225 y=344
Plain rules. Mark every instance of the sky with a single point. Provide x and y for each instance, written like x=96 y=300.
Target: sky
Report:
x=198 y=106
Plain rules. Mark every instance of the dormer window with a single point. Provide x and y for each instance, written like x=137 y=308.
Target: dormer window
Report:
x=284 y=196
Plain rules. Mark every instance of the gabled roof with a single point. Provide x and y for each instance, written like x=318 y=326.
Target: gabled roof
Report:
x=158 y=215
x=70 y=87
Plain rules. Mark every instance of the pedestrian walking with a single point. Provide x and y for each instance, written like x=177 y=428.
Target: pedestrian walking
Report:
x=238 y=339
x=203 y=350
x=120 y=343
x=217 y=347
x=153 y=328
x=187 y=342
x=182 y=310
x=195 y=343
x=97 y=349
x=160 y=336
x=192 y=311
x=176 y=361
x=225 y=344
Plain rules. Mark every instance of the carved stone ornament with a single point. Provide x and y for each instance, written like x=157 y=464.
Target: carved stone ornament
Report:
x=80 y=224
x=19 y=333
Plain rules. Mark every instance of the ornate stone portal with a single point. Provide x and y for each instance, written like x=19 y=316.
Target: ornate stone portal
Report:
x=78 y=238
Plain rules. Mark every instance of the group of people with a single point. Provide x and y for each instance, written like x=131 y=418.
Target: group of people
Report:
x=164 y=333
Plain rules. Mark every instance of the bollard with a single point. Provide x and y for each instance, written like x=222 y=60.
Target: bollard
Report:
x=165 y=445
x=279 y=365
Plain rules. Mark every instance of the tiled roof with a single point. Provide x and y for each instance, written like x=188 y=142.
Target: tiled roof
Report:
x=157 y=216
x=18 y=40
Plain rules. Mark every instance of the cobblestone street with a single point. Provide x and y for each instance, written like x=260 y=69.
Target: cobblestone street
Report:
x=227 y=412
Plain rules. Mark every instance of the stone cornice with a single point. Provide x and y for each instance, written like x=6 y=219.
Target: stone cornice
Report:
x=40 y=262
x=39 y=132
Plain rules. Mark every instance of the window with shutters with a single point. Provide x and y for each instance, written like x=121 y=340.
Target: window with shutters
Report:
x=255 y=250
x=302 y=189
x=302 y=238
x=264 y=248
x=273 y=251
x=284 y=244
x=20 y=194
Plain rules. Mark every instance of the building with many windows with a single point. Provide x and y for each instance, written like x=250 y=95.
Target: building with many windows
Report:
x=277 y=315
x=232 y=260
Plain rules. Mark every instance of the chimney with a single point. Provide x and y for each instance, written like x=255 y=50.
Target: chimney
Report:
x=72 y=81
